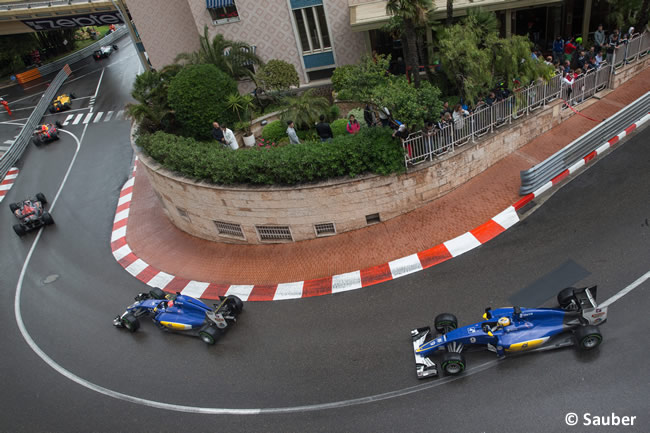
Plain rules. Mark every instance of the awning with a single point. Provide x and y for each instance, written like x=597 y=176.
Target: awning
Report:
x=212 y=4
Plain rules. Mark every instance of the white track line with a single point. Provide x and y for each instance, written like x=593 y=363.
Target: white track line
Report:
x=626 y=290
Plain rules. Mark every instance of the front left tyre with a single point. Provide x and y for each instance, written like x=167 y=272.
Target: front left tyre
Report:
x=20 y=230
x=130 y=322
x=41 y=197
x=47 y=218
x=453 y=363
x=445 y=322
x=235 y=303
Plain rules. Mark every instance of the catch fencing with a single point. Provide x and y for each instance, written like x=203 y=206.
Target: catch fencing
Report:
x=25 y=136
x=422 y=146
x=632 y=50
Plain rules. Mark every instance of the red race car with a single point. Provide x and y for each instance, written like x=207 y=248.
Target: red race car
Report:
x=31 y=213
x=47 y=133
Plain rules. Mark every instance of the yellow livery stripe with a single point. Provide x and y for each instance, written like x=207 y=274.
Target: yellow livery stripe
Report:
x=172 y=325
x=526 y=345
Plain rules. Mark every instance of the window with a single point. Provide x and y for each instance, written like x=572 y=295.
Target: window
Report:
x=222 y=11
x=312 y=29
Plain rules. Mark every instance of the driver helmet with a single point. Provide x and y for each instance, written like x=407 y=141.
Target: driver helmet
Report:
x=503 y=322
x=44 y=128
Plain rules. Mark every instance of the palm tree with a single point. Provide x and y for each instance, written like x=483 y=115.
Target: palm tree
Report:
x=150 y=90
x=232 y=57
x=305 y=109
x=414 y=14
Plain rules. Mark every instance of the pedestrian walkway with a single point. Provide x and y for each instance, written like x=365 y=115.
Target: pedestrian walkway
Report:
x=157 y=244
x=94 y=117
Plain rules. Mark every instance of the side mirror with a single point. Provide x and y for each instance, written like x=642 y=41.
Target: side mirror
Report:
x=517 y=312
x=488 y=313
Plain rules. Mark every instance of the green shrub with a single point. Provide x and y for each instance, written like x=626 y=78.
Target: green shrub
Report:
x=339 y=127
x=278 y=75
x=333 y=113
x=275 y=130
x=196 y=94
x=373 y=150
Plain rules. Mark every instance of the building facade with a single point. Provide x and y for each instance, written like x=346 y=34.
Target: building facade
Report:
x=316 y=36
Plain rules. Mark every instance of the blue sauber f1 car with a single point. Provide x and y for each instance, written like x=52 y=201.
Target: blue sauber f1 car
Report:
x=182 y=313
x=510 y=331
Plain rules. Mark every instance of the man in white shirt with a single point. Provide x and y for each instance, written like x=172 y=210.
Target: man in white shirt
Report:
x=229 y=136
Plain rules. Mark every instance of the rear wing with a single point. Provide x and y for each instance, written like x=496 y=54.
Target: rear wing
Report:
x=588 y=307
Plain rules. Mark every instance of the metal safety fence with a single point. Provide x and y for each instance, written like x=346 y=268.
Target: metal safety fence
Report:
x=633 y=49
x=543 y=172
x=83 y=53
x=423 y=146
x=19 y=145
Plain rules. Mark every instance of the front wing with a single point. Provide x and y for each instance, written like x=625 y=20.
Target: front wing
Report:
x=424 y=366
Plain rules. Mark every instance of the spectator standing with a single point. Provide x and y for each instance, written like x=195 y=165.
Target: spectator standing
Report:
x=569 y=48
x=611 y=46
x=558 y=48
x=591 y=53
x=369 y=116
x=599 y=37
x=217 y=133
x=229 y=136
x=445 y=108
x=599 y=59
x=459 y=117
x=402 y=133
x=429 y=133
x=567 y=67
x=324 y=130
x=384 y=114
x=581 y=61
x=291 y=132
x=353 y=126
x=567 y=82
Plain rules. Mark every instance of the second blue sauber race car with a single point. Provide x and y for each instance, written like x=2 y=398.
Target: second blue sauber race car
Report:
x=182 y=313
x=511 y=330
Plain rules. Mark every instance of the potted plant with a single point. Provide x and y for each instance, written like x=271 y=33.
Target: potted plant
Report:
x=242 y=105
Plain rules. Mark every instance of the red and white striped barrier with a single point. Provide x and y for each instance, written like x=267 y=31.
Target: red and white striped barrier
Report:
x=8 y=182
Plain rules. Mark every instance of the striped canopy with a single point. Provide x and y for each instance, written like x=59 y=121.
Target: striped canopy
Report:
x=211 y=4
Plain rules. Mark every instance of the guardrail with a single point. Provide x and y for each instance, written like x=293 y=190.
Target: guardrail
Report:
x=24 y=137
x=83 y=53
x=543 y=172
x=421 y=147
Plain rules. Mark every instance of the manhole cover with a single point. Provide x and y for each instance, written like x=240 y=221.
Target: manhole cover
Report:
x=51 y=278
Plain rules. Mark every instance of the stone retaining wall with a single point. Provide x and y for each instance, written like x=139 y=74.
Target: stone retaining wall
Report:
x=346 y=203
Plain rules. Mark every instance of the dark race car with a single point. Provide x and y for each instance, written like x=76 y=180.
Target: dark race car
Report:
x=104 y=52
x=31 y=213
x=182 y=313
x=47 y=133
x=62 y=103
x=511 y=330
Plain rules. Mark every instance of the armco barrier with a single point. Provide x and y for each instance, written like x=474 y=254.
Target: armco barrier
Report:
x=543 y=172
x=82 y=54
x=24 y=137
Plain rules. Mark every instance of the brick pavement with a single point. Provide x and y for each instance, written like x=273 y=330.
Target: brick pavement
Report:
x=155 y=240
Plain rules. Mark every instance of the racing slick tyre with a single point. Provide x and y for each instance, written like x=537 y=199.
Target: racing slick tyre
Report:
x=445 y=322
x=37 y=141
x=130 y=322
x=157 y=293
x=41 y=197
x=14 y=207
x=209 y=334
x=72 y=95
x=52 y=109
x=66 y=106
x=236 y=303
x=47 y=218
x=20 y=230
x=58 y=124
x=115 y=47
x=453 y=363
x=588 y=337
x=567 y=299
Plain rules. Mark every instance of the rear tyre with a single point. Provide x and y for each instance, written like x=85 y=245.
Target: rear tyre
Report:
x=20 y=230
x=14 y=207
x=209 y=334
x=41 y=197
x=58 y=124
x=567 y=299
x=72 y=95
x=66 y=106
x=52 y=109
x=453 y=363
x=445 y=322
x=37 y=141
x=115 y=47
x=157 y=293
x=588 y=337
x=130 y=322
x=236 y=304
x=47 y=218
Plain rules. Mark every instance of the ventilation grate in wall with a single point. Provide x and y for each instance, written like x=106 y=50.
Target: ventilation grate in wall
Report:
x=229 y=229
x=325 y=229
x=274 y=233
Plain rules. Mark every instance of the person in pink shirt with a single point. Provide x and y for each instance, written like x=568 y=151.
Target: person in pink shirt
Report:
x=353 y=126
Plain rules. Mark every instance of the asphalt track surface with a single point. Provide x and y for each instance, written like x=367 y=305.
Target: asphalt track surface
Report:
x=326 y=364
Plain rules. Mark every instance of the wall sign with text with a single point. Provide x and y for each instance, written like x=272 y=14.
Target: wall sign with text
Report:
x=72 y=21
